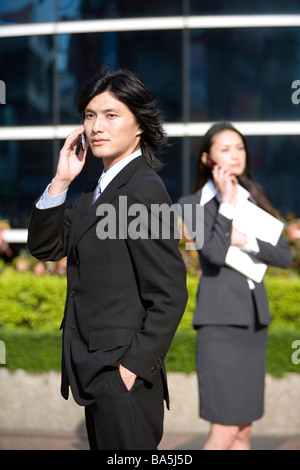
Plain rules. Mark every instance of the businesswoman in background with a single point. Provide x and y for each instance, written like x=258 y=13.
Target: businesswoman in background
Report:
x=231 y=314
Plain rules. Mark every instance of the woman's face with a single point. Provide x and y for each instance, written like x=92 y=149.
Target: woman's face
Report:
x=228 y=151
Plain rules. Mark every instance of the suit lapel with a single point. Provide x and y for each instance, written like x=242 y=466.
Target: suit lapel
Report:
x=106 y=197
x=87 y=197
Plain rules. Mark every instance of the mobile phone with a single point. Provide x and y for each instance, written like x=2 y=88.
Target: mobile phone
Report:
x=83 y=141
x=210 y=163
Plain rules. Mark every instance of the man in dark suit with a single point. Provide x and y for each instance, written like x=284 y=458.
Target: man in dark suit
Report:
x=126 y=291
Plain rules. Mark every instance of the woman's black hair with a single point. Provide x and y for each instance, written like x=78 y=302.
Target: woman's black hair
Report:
x=127 y=87
x=203 y=173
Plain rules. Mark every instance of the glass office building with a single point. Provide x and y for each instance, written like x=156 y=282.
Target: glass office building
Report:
x=203 y=60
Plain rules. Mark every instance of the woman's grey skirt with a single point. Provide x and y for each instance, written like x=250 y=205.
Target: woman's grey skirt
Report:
x=231 y=372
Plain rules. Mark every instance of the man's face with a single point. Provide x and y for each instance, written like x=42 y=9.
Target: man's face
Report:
x=111 y=129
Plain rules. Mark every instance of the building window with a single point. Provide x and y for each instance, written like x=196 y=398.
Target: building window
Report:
x=203 y=62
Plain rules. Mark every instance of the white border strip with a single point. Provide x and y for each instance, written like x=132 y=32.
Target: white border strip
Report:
x=150 y=24
x=189 y=129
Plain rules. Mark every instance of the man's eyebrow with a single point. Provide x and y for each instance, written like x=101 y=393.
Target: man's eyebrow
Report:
x=108 y=110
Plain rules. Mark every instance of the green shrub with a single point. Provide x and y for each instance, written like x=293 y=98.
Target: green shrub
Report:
x=284 y=301
x=181 y=355
x=40 y=351
x=31 y=302
x=280 y=351
x=33 y=351
x=192 y=286
x=31 y=310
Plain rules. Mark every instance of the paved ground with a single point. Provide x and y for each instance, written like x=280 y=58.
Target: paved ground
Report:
x=33 y=415
x=37 y=440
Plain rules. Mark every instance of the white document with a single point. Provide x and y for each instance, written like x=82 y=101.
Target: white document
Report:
x=253 y=221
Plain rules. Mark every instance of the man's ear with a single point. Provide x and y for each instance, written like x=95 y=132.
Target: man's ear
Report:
x=139 y=131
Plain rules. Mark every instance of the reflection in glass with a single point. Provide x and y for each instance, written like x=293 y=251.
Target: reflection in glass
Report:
x=233 y=74
x=25 y=169
x=37 y=11
x=100 y=9
x=40 y=11
x=237 y=74
x=246 y=7
x=156 y=56
x=171 y=173
x=27 y=64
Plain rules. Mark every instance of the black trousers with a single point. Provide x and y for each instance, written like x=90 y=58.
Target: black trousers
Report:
x=126 y=420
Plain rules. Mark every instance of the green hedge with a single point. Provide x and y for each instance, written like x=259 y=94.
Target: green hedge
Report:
x=33 y=351
x=284 y=301
x=31 y=310
x=28 y=301
x=40 y=351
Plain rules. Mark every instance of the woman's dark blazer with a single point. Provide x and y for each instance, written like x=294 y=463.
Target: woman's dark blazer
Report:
x=224 y=297
x=125 y=296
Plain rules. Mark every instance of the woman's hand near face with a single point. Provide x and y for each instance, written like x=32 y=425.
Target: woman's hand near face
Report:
x=226 y=184
x=70 y=163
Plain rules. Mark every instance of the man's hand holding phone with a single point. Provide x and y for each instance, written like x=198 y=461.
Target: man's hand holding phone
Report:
x=71 y=161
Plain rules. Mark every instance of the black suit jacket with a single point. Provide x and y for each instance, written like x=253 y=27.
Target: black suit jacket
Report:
x=125 y=297
x=224 y=297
